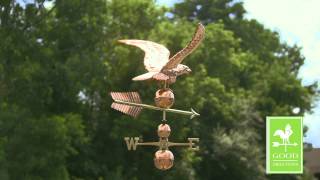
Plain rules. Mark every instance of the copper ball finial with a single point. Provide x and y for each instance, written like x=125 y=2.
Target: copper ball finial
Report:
x=164 y=130
x=164 y=98
x=163 y=159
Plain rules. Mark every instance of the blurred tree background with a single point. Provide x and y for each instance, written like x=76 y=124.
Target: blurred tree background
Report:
x=59 y=60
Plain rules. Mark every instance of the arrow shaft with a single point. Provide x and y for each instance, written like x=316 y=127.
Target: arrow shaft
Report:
x=188 y=113
x=287 y=145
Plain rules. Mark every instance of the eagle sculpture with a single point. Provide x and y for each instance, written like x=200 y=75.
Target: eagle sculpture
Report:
x=157 y=62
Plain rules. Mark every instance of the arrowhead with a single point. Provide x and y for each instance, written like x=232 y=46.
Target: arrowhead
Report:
x=194 y=113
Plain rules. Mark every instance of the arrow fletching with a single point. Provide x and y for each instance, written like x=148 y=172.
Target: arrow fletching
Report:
x=134 y=97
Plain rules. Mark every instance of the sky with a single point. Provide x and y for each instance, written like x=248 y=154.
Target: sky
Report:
x=297 y=22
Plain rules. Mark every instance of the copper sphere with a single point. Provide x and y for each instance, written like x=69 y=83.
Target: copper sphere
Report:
x=164 y=98
x=163 y=159
x=164 y=130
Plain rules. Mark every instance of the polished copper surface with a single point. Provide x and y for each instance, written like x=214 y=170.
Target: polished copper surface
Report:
x=157 y=62
x=164 y=130
x=128 y=97
x=165 y=69
x=164 y=98
x=163 y=159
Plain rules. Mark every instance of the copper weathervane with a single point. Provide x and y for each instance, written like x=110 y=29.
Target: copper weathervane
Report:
x=164 y=70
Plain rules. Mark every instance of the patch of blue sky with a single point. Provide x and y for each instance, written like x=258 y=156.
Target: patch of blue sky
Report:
x=296 y=21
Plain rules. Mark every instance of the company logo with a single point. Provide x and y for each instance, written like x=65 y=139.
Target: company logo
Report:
x=284 y=135
x=284 y=145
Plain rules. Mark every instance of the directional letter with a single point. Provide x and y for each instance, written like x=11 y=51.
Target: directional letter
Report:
x=191 y=143
x=131 y=142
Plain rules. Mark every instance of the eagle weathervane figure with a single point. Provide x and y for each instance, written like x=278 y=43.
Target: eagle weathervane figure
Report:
x=163 y=69
x=157 y=62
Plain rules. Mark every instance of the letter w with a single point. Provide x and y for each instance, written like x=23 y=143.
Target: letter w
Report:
x=132 y=142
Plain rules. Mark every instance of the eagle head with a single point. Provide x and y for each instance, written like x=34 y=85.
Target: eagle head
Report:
x=182 y=69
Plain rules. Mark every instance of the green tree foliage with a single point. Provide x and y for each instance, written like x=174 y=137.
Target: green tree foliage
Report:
x=59 y=62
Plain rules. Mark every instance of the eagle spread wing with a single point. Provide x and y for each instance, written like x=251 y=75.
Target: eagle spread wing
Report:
x=156 y=55
x=192 y=45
